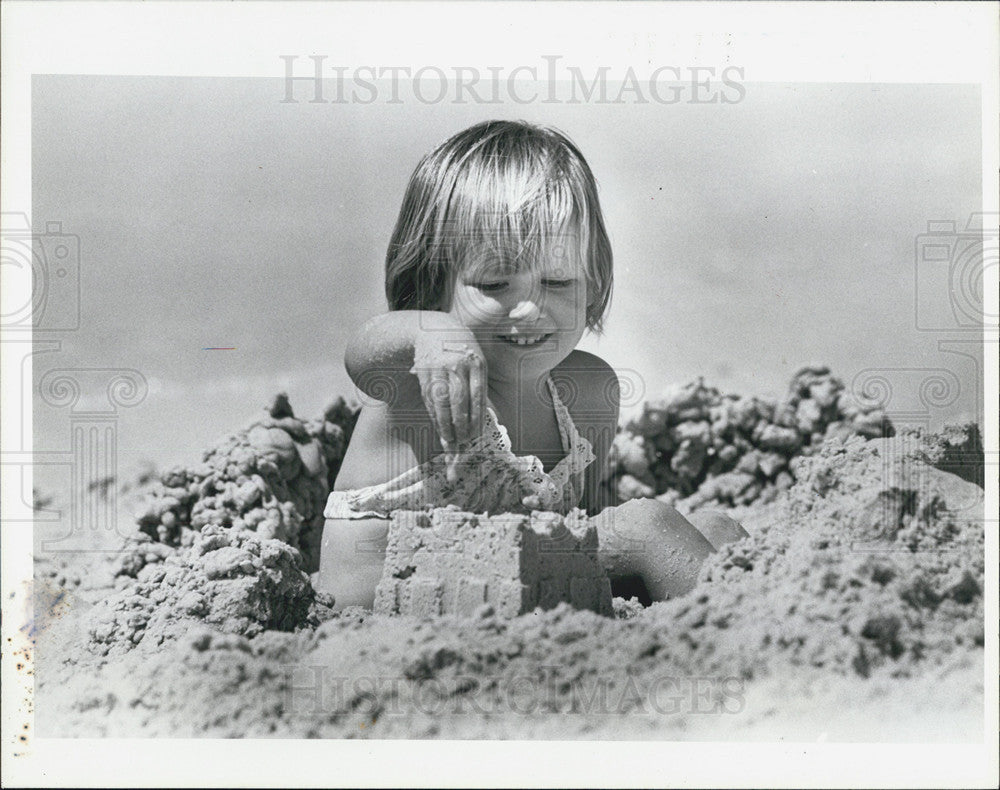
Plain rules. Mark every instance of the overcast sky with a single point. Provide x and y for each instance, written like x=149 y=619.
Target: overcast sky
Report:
x=749 y=238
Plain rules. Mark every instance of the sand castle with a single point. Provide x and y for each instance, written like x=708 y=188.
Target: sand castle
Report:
x=450 y=562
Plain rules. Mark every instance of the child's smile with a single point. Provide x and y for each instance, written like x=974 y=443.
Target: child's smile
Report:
x=525 y=339
x=538 y=309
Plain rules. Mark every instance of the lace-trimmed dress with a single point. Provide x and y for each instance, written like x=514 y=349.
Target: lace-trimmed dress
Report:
x=490 y=478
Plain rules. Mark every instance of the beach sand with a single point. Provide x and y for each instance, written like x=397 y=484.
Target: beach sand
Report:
x=853 y=612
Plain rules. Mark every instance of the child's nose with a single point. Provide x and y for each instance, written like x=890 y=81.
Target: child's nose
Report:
x=525 y=310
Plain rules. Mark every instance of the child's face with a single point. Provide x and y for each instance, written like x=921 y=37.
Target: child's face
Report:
x=527 y=319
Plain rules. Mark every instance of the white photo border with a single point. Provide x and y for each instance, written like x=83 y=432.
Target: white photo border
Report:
x=774 y=42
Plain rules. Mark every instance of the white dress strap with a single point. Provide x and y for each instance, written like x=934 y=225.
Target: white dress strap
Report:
x=579 y=452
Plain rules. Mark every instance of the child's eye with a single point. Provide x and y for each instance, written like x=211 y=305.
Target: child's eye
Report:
x=489 y=287
x=549 y=283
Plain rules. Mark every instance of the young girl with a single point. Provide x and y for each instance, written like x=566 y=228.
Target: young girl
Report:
x=479 y=398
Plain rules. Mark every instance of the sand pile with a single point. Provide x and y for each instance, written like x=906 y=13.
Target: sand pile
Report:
x=272 y=478
x=860 y=587
x=872 y=562
x=234 y=580
x=695 y=446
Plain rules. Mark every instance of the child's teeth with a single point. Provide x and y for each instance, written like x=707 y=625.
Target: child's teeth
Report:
x=523 y=341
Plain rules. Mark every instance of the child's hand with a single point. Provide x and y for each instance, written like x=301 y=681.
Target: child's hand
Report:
x=452 y=374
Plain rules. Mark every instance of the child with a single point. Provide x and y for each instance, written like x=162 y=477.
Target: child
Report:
x=498 y=264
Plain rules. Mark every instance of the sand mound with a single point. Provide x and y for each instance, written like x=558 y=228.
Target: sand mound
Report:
x=873 y=561
x=233 y=580
x=860 y=589
x=694 y=446
x=273 y=478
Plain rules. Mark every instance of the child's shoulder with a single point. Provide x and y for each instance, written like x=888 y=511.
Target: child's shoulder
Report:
x=591 y=378
x=583 y=361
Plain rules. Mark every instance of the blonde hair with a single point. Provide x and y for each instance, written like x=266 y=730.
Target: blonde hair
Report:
x=510 y=188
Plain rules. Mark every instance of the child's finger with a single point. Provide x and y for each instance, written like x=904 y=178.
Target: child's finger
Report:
x=477 y=395
x=451 y=466
x=436 y=427
x=459 y=402
x=439 y=403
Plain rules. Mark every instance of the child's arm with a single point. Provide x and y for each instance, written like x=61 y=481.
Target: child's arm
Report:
x=408 y=356
x=595 y=414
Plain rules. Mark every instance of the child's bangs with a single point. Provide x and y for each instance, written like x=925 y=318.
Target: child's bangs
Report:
x=507 y=229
